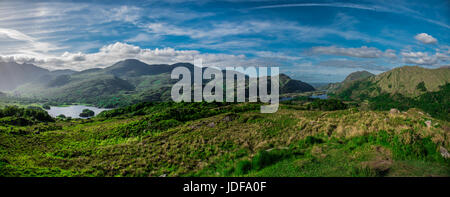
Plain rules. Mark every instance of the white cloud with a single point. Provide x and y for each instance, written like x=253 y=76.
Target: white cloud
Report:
x=141 y=37
x=112 y=53
x=425 y=38
x=362 y=52
x=421 y=58
x=276 y=55
x=22 y=42
x=344 y=63
x=278 y=29
x=123 y=13
x=390 y=7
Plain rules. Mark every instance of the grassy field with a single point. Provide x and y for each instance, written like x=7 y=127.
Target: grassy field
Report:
x=199 y=139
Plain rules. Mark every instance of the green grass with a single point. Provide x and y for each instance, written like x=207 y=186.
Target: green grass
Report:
x=217 y=139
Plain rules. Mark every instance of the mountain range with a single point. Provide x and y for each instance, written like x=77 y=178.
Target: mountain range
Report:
x=125 y=82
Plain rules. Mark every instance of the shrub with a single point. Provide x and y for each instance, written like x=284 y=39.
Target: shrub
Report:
x=421 y=87
x=327 y=105
x=243 y=167
x=309 y=141
x=20 y=116
x=87 y=113
x=265 y=158
x=46 y=106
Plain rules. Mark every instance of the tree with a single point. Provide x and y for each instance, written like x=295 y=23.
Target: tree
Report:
x=421 y=87
x=46 y=106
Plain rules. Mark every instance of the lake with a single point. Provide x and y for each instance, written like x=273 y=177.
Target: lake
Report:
x=72 y=111
x=320 y=96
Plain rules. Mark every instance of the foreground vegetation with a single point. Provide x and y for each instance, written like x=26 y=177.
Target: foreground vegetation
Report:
x=437 y=103
x=304 y=138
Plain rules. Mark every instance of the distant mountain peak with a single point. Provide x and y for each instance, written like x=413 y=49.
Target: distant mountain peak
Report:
x=358 y=75
x=13 y=74
x=131 y=61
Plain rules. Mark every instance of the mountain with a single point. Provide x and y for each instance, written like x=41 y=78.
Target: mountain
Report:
x=62 y=72
x=408 y=81
x=125 y=82
x=358 y=75
x=135 y=68
x=13 y=74
x=288 y=85
x=405 y=80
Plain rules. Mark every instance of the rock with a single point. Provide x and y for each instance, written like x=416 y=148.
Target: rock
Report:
x=227 y=118
x=444 y=152
x=394 y=111
x=211 y=124
x=163 y=175
x=428 y=123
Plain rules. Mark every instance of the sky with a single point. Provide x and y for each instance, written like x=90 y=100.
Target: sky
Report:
x=313 y=41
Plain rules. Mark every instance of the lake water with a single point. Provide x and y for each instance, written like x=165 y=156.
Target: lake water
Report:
x=321 y=96
x=72 y=111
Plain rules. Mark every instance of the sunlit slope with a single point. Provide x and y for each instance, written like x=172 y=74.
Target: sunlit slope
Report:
x=199 y=139
x=408 y=81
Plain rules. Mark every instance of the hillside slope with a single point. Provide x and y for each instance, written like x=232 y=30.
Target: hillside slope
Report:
x=407 y=81
x=213 y=139
x=13 y=74
x=288 y=85
x=358 y=75
x=126 y=82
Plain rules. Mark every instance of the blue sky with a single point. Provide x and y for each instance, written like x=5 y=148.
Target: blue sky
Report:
x=314 y=41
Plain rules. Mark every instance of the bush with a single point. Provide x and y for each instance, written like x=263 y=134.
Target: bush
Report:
x=309 y=141
x=14 y=115
x=437 y=104
x=327 y=105
x=266 y=158
x=421 y=87
x=46 y=106
x=87 y=113
x=243 y=167
x=408 y=145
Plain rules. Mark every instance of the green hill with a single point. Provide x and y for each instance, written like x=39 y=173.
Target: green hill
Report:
x=13 y=74
x=100 y=89
x=404 y=88
x=359 y=75
x=134 y=68
x=126 y=82
x=405 y=80
x=408 y=81
x=288 y=85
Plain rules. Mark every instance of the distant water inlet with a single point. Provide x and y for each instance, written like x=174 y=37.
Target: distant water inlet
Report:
x=320 y=96
x=73 y=111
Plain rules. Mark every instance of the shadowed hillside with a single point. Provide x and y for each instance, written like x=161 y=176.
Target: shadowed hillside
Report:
x=126 y=82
